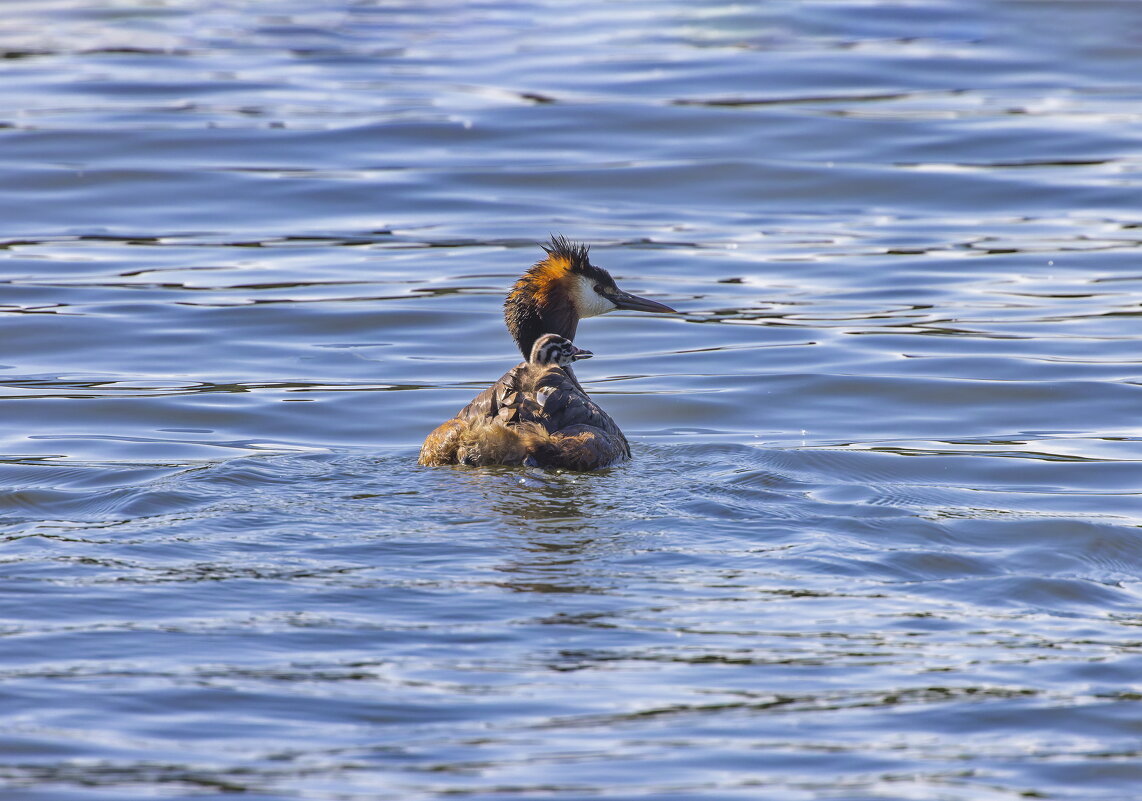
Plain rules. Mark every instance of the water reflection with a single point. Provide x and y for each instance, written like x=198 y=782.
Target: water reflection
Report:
x=880 y=534
x=545 y=521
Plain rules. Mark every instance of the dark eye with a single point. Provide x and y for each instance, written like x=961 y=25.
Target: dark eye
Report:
x=599 y=288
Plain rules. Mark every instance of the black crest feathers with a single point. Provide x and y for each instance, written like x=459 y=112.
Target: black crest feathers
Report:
x=575 y=254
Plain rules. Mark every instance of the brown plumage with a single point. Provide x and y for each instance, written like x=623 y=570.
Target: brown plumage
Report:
x=538 y=413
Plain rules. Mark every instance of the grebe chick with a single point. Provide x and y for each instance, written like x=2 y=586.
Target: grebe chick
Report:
x=538 y=414
x=554 y=349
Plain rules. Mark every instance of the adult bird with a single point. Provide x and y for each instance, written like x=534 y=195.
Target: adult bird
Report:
x=537 y=413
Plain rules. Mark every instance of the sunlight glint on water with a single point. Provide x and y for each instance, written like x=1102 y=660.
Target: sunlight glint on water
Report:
x=880 y=535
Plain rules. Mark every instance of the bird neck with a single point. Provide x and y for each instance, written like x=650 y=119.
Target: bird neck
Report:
x=526 y=323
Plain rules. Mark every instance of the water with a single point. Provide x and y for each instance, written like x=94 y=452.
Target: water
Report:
x=880 y=537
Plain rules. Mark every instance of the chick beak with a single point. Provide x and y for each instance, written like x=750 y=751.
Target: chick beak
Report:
x=625 y=300
x=579 y=353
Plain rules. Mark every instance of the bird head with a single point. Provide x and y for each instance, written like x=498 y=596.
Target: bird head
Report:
x=554 y=349
x=559 y=290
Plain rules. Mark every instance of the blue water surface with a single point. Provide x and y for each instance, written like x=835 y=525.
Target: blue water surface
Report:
x=880 y=538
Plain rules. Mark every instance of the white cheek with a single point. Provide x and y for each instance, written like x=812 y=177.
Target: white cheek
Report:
x=588 y=302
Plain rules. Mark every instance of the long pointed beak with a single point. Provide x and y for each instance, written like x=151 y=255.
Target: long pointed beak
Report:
x=625 y=300
x=579 y=353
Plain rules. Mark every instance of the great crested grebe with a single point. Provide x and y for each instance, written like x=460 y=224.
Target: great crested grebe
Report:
x=538 y=414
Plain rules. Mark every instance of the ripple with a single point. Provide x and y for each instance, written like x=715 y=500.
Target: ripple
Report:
x=879 y=537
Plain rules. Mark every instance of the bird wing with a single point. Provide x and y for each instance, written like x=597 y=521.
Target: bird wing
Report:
x=497 y=401
x=562 y=403
x=529 y=399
